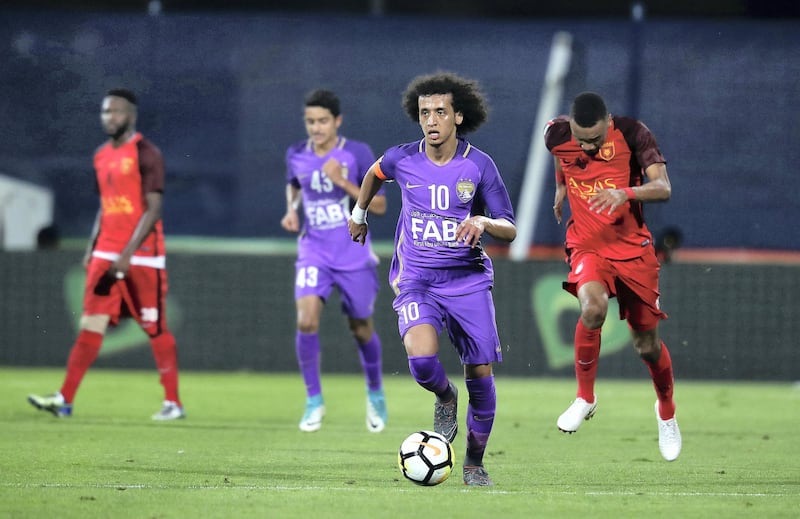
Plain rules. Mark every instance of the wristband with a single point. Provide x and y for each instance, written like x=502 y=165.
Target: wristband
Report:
x=359 y=216
x=629 y=193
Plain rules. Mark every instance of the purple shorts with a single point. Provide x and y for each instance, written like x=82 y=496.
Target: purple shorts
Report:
x=469 y=319
x=358 y=288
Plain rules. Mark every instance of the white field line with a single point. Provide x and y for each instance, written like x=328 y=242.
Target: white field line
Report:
x=280 y=488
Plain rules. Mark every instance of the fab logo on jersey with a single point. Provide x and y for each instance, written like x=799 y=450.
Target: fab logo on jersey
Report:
x=326 y=215
x=433 y=231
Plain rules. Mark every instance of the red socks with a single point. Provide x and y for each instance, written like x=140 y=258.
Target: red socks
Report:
x=83 y=354
x=165 y=354
x=587 y=353
x=661 y=373
x=87 y=347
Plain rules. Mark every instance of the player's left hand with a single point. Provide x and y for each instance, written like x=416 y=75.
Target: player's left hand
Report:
x=470 y=230
x=358 y=232
x=607 y=200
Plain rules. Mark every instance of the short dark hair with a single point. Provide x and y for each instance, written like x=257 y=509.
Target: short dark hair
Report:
x=325 y=99
x=124 y=93
x=587 y=109
x=467 y=98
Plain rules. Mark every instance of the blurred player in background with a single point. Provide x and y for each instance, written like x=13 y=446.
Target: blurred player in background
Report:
x=326 y=171
x=452 y=195
x=125 y=259
x=600 y=164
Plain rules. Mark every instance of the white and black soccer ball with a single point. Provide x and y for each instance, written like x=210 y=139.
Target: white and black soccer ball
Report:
x=426 y=458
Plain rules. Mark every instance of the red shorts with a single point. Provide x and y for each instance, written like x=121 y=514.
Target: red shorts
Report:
x=142 y=295
x=633 y=282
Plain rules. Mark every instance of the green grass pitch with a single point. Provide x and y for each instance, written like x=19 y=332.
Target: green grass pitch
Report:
x=239 y=452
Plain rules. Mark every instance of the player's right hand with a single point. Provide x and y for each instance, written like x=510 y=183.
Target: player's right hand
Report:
x=291 y=222
x=333 y=170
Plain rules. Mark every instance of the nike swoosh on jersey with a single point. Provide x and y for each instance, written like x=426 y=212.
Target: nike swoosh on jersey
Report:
x=409 y=185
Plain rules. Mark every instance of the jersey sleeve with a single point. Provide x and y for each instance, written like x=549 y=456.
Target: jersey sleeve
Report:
x=387 y=164
x=494 y=199
x=647 y=151
x=557 y=132
x=640 y=140
x=151 y=167
x=365 y=158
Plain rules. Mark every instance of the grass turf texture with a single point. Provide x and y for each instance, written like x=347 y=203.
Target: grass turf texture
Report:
x=239 y=452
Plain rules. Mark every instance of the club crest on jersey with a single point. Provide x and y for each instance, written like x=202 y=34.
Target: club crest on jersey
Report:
x=465 y=189
x=607 y=151
x=126 y=165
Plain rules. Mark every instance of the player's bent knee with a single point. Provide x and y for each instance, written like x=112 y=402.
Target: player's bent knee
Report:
x=647 y=347
x=478 y=370
x=593 y=313
x=307 y=327
x=95 y=323
x=362 y=330
x=593 y=319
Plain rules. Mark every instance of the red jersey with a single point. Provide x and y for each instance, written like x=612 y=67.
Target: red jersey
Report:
x=628 y=149
x=124 y=176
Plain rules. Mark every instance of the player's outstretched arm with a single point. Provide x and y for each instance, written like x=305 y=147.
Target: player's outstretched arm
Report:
x=658 y=187
x=357 y=223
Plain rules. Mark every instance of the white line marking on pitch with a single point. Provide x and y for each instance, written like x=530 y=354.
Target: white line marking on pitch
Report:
x=278 y=488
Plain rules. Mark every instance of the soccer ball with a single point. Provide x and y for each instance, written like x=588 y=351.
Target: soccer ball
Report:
x=426 y=458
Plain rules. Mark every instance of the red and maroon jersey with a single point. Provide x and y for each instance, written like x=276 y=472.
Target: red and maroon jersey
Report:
x=124 y=176
x=628 y=149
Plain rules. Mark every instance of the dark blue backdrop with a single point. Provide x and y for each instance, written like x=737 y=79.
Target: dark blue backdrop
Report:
x=222 y=96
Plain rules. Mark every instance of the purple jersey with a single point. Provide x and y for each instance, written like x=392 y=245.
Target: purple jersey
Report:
x=324 y=239
x=436 y=199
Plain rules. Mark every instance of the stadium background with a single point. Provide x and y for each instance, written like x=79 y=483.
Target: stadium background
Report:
x=221 y=93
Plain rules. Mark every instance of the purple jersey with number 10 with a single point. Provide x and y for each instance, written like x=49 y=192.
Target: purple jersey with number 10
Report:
x=325 y=239
x=436 y=199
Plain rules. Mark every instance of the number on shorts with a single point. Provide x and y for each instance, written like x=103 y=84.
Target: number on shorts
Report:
x=409 y=312
x=149 y=315
x=307 y=277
